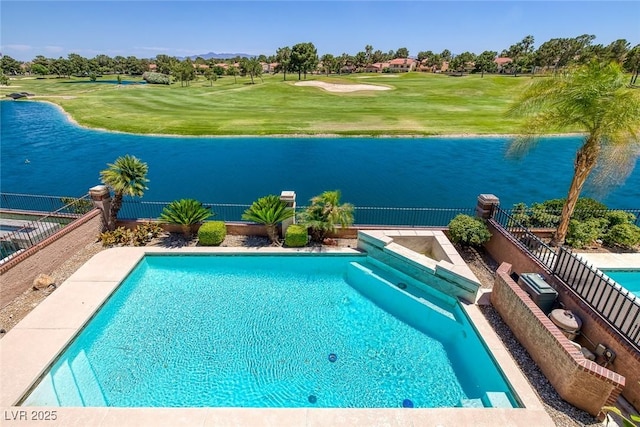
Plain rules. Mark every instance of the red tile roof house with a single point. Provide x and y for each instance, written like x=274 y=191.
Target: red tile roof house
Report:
x=501 y=62
x=378 y=67
x=402 y=65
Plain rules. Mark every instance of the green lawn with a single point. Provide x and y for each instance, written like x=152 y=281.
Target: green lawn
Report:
x=417 y=104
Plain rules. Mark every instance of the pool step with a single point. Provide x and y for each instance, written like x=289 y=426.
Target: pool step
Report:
x=496 y=399
x=88 y=386
x=65 y=386
x=471 y=403
x=44 y=394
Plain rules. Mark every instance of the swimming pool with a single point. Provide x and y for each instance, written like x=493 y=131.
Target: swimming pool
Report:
x=274 y=331
x=629 y=279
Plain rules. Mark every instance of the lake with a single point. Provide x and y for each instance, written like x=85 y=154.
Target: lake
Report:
x=65 y=160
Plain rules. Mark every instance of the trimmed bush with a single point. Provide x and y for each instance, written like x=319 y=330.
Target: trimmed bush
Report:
x=468 y=231
x=155 y=78
x=584 y=233
x=620 y=217
x=296 y=236
x=624 y=235
x=212 y=233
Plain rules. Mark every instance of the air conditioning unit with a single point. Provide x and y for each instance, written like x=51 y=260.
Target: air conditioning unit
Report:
x=539 y=290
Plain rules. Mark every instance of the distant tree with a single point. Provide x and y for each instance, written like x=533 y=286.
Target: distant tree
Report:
x=368 y=54
x=360 y=60
x=283 y=58
x=184 y=71
x=422 y=55
x=462 y=62
x=485 y=62
x=232 y=70
x=252 y=67
x=165 y=63
x=4 y=80
x=378 y=56
x=328 y=62
x=617 y=51
x=60 y=67
x=218 y=70
x=210 y=75
x=632 y=63
x=403 y=52
x=521 y=54
x=446 y=55
x=592 y=99
x=39 y=69
x=9 y=65
x=304 y=58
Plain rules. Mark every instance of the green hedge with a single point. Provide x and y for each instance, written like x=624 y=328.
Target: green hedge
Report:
x=468 y=231
x=212 y=233
x=296 y=236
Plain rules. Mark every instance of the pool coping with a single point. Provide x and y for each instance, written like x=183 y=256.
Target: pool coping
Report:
x=33 y=344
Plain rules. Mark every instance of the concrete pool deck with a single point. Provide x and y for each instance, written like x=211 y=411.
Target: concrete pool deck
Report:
x=612 y=261
x=31 y=346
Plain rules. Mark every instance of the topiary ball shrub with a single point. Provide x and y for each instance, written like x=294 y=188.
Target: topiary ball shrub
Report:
x=296 y=236
x=624 y=235
x=212 y=233
x=468 y=231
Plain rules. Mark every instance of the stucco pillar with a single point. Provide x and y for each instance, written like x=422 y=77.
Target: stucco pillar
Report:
x=486 y=205
x=101 y=197
x=289 y=197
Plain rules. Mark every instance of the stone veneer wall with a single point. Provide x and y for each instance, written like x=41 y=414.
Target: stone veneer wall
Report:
x=503 y=248
x=579 y=381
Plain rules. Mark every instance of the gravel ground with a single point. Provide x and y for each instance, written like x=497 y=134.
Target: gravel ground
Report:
x=562 y=413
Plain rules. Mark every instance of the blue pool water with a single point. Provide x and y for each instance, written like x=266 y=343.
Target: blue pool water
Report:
x=421 y=172
x=629 y=279
x=272 y=331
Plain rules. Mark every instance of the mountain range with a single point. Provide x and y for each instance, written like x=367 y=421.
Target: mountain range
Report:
x=218 y=55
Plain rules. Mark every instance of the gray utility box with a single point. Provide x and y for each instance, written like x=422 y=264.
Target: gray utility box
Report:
x=540 y=291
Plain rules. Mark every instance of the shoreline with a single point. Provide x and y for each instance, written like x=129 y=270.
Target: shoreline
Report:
x=74 y=122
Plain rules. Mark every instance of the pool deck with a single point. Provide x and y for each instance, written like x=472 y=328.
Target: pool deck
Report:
x=628 y=261
x=31 y=346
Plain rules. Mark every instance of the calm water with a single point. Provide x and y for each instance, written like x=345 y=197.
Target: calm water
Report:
x=267 y=331
x=434 y=172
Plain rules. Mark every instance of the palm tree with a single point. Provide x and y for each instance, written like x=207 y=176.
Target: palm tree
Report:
x=592 y=99
x=186 y=213
x=325 y=213
x=127 y=176
x=270 y=211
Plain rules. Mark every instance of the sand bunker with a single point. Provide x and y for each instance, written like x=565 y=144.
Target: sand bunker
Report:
x=333 y=87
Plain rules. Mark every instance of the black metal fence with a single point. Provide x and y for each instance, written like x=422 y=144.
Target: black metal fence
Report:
x=23 y=226
x=528 y=240
x=616 y=304
x=619 y=307
x=407 y=217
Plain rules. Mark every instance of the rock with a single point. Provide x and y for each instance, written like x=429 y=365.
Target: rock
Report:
x=43 y=281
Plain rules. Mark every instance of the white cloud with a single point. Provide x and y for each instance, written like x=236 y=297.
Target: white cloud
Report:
x=53 y=49
x=17 y=47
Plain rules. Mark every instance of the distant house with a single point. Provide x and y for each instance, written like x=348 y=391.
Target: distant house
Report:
x=433 y=68
x=402 y=65
x=378 y=67
x=153 y=67
x=502 y=63
x=269 y=67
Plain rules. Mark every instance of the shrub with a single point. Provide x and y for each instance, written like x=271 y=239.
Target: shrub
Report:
x=584 y=233
x=620 y=217
x=468 y=231
x=144 y=233
x=325 y=213
x=212 y=233
x=520 y=213
x=296 y=236
x=155 y=78
x=119 y=236
x=270 y=211
x=623 y=235
x=185 y=212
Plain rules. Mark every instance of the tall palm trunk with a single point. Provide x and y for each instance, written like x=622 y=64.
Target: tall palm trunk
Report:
x=116 y=204
x=586 y=160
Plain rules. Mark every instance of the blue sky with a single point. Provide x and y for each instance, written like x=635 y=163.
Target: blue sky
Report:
x=147 y=28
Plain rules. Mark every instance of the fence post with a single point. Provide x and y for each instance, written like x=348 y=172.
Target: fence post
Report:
x=486 y=205
x=102 y=200
x=289 y=197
